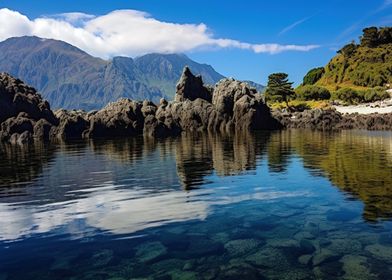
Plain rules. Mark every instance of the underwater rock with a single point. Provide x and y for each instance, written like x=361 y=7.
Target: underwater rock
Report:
x=306 y=247
x=324 y=256
x=102 y=258
x=150 y=251
x=240 y=271
x=305 y=259
x=241 y=247
x=269 y=257
x=283 y=243
x=356 y=267
x=345 y=246
x=183 y=275
x=381 y=252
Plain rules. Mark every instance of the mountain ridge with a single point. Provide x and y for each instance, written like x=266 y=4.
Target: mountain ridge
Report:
x=70 y=78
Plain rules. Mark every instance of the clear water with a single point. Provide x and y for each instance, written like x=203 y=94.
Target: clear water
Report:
x=282 y=205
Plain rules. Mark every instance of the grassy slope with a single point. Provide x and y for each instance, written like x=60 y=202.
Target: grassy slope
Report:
x=366 y=67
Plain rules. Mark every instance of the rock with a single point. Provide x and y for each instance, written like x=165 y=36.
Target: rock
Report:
x=345 y=246
x=121 y=118
x=191 y=87
x=102 y=258
x=283 y=243
x=148 y=252
x=41 y=130
x=148 y=108
x=72 y=125
x=16 y=125
x=306 y=246
x=381 y=252
x=330 y=119
x=240 y=271
x=17 y=97
x=356 y=267
x=324 y=256
x=304 y=259
x=269 y=257
x=241 y=247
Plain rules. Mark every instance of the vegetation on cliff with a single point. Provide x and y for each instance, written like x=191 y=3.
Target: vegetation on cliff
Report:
x=364 y=65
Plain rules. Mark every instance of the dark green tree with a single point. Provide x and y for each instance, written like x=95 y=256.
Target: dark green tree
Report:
x=313 y=76
x=348 y=49
x=279 y=87
x=370 y=37
x=385 y=35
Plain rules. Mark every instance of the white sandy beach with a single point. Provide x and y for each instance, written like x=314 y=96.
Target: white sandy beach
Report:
x=369 y=108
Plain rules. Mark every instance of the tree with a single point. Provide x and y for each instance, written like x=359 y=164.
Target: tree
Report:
x=348 y=49
x=313 y=76
x=370 y=37
x=279 y=87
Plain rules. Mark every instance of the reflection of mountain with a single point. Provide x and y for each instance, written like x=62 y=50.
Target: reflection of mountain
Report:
x=360 y=164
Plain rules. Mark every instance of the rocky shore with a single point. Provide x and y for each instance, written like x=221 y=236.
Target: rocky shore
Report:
x=229 y=106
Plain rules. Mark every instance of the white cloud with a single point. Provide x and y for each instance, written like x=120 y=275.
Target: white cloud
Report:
x=126 y=32
x=293 y=25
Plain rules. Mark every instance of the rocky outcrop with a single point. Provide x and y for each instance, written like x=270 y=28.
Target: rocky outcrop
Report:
x=23 y=112
x=191 y=87
x=331 y=119
x=230 y=106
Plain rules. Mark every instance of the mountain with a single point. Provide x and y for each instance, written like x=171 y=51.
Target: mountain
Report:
x=70 y=78
x=363 y=65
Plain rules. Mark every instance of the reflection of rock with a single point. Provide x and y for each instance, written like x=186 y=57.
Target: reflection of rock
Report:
x=197 y=155
x=27 y=164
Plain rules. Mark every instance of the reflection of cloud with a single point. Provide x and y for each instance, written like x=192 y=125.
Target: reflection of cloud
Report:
x=119 y=211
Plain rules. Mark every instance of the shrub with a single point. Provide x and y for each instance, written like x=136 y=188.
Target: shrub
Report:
x=375 y=94
x=313 y=76
x=310 y=92
x=349 y=95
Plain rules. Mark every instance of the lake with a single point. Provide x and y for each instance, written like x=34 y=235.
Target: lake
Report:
x=280 y=205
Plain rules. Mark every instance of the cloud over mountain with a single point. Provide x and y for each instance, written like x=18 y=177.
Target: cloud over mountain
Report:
x=126 y=32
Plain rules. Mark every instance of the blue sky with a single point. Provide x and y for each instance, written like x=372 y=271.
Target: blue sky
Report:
x=247 y=25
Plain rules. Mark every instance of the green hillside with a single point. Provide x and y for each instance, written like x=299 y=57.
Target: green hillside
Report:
x=364 y=65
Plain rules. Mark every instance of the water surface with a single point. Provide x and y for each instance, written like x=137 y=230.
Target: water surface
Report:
x=282 y=205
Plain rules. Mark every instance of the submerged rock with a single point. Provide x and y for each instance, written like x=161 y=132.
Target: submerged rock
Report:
x=356 y=267
x=381 y=252
x=241 y=247
x=150 y=251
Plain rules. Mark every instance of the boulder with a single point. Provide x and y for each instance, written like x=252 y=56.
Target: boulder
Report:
x=17 y=97
x=72 y=124
x=191 y=87
x=121 y=118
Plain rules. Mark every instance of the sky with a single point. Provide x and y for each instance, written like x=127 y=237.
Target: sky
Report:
x=247 y=40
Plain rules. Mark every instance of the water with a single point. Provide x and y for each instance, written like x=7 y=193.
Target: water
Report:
x=282 y=205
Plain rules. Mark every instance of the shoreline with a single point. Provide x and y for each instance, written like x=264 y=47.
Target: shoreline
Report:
x=379 y=107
